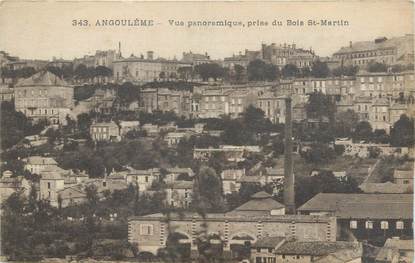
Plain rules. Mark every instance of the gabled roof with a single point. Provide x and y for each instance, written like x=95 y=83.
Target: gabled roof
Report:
x=39 y=160
x=43 y=78
x=260 y=201
x=375 y=206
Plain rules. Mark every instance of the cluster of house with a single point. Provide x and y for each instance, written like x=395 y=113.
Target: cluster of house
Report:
x=64 y=188
x=379 y=98
x=139 y=69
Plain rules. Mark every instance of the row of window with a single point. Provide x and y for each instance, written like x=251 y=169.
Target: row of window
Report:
x=383 y=224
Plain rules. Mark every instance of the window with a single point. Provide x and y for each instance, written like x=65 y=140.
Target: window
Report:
x=384 y=225
x=48 y=185
x=258 y=260
x=104 y=184
x=399 y=225
x=146 y=178
x=270 y=250
x=146 y=229
x=369 y=224
x=353 y=224
x=258 y=250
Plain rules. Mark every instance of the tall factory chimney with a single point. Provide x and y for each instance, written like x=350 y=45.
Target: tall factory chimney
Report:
x=289 y=198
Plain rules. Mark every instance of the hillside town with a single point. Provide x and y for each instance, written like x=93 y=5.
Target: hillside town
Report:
x=266 y=156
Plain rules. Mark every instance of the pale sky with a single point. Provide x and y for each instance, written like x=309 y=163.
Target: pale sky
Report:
x=41 y=30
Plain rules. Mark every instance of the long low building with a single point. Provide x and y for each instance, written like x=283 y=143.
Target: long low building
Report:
x=365 y=216
x=232 y=229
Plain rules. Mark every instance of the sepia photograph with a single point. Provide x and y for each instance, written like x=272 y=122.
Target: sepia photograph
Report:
x=207 y=131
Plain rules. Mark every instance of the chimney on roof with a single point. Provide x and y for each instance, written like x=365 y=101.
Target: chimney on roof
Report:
x=150 y=55
x=119 y=48
x=293 y=45
x=350 y=44
x=289 y=195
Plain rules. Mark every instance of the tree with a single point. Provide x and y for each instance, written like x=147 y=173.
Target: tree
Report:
x=91 y=195
x=127 y=93
x=81 y=71
x=84 y=121
x=239 y=72
x=320 y=69
x=290 y=71
x=305 y=72
x=207 y=192
x=402 y=133
x=345 y=71
x=363 y=132
x=377 y=67
x=15 y=125
x=185 y=73
x=319 y=153
x=320 y=105
x=323 y=182
x=209 y=70
x=258 y=70
x=346 y=122
x=380 y=136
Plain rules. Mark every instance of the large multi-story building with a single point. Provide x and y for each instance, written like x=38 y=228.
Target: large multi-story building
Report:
x=101 y=58
x=260 y=217
x=44 y=96
x=141 y=70
x=195 y=59
x=105 y=131
x=272 y=106
x=386 y=84
x=241 y=59
x=397 y=50
x=365 y=216
x=283 y=54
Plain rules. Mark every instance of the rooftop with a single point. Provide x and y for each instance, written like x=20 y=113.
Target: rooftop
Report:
x=43 y=78
x=375 y=206
x=268 y=242
x=314 y=248
x=39 y=160
x=260 y=201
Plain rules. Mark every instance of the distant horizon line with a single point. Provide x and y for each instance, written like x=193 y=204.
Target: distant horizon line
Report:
x=236 y=53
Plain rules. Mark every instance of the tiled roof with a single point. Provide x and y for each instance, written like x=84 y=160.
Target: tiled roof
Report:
x=260 y=202
x=371 y=45
x=268 y=242
x=314 y=248
x=43 y=78
x=342 y=256
x=54 y=173
x=375 y=206
x=386 y=188
x=39 y=160
x=392 y=247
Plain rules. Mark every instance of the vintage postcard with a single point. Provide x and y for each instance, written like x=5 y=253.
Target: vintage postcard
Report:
x=218 y=131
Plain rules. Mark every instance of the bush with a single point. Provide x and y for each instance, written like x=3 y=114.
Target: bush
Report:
x=339 y=149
